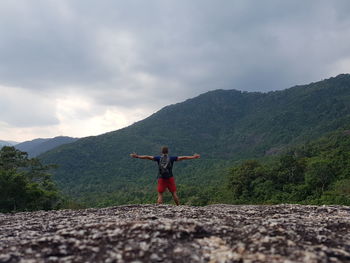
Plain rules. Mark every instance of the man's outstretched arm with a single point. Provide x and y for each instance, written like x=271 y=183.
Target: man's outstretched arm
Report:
x=195 y=156
x=147 y=157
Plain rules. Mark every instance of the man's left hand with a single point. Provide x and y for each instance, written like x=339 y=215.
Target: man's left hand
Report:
x=133 y=155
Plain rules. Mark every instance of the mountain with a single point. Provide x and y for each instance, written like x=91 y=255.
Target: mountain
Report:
x=7 y=143
x=224 y=126
x=38 y=146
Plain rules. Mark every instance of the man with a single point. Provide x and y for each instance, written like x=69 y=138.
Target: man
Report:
x=165 y=175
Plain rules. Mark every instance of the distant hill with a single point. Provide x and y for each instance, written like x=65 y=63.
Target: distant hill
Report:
x=224 y=126
x=7 y=143
x=38 y=146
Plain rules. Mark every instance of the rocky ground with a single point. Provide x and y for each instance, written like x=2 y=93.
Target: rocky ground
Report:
x=151 y=233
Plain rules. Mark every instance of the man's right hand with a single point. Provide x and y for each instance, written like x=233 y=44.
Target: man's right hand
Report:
x=196 y=156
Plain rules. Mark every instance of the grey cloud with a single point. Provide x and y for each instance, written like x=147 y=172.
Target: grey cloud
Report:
x=39 y=49
x=187 y=47
x=240 y=45
x=21 y=108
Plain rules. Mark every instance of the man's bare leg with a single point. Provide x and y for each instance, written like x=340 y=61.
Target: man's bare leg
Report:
x=176 y=198
x=160 y=198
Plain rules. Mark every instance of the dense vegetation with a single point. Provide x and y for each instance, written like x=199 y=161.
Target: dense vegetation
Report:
x=25 y=184
x=315 y=173
x=224 y=126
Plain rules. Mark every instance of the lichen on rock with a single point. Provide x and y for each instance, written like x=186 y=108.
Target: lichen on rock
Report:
x=164 y=233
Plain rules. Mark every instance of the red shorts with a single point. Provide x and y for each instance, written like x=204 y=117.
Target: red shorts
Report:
x=169 y=183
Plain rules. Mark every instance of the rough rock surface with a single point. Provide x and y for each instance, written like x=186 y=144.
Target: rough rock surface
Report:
x=151 y=233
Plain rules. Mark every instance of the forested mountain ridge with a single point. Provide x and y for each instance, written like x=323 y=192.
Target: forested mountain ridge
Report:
x=38 y=146
x=7 y=143
x=222 y=125
x=317 y=172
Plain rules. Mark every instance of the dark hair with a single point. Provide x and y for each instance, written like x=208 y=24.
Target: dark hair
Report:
x=165 y=149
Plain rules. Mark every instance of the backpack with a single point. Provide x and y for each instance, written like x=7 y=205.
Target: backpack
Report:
x=165 y=166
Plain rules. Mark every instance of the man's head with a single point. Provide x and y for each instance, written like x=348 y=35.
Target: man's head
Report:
x=165 y=150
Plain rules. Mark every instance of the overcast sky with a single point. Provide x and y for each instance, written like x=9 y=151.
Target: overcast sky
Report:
x=83 y=67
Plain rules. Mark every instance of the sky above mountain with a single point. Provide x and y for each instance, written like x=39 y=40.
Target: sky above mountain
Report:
x=84 y=67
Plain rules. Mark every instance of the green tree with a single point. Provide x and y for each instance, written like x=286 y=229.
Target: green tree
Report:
x=242 y=179
x=25 y=184
x=319 y=174
x=10 y=158
x=290 y=169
